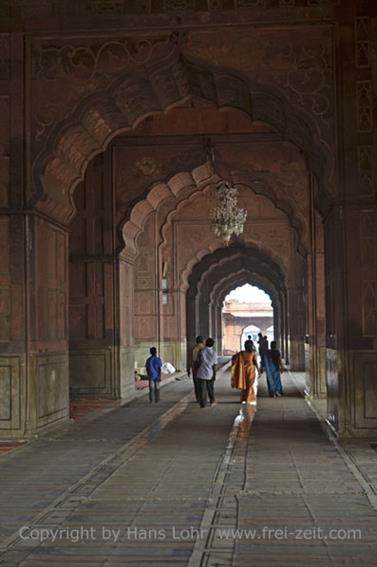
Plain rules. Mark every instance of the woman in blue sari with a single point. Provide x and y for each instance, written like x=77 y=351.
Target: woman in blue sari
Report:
x=274 y=365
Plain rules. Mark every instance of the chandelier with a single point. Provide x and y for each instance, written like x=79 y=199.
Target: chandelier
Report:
x=226 y=217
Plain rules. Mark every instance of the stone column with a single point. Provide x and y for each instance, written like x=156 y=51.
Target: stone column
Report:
x=296 y=328
x=33 y=278
x=351 y=237
x=315 y=344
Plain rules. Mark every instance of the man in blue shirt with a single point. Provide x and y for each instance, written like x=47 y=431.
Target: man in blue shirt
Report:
x=153 y=366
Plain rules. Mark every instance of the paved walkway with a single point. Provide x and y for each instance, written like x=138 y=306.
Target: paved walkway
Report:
x=172 y=484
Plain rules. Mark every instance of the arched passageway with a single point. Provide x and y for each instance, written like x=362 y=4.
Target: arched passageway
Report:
x=247 y=310
x=136 y=217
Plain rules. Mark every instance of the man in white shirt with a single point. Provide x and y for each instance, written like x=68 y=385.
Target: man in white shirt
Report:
x=206 y=374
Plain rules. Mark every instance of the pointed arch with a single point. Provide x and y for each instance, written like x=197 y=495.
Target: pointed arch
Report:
x=155 y=88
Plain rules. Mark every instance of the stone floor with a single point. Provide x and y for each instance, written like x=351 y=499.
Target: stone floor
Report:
x=171 y=484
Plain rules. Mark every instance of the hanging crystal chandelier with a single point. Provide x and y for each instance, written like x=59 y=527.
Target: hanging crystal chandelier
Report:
x=226 y=217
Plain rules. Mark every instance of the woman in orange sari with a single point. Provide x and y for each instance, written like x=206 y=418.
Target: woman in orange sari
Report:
x=244 y=365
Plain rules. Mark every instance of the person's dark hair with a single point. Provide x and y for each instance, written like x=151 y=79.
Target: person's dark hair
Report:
x=249 y=337
x=210 y=342
x=273 y=345
x=153 y=350
x=199 y=339
x=260 y=335
x=249 y=346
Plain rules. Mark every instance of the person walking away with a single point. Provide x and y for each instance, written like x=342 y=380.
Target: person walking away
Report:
x=199 y=346
x=249 y=338
x=263 y=348
x=206 y=374
x=244 y=367
x=153 y=366
x=274 y=367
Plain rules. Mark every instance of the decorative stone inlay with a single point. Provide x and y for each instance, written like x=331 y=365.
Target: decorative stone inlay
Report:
x=362 y=42
x=365 y=168
x=364 y=102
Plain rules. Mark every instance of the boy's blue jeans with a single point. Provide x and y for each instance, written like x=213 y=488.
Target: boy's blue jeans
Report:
x=154 y=390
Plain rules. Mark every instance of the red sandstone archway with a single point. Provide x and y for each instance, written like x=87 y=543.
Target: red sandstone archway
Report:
x=168 y=79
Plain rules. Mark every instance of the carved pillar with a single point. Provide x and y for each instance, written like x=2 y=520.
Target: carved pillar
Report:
x=351 y=239
x=33 y=278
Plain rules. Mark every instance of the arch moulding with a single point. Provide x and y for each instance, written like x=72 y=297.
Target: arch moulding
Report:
x=167 y=80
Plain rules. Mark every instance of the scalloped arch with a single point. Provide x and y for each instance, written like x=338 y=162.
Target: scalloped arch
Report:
x=199 y=179
x=226 y=260
x=155 y=88
x=239 y=278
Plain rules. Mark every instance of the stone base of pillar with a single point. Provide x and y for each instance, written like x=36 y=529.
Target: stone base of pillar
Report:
x=352 y=394
x=33 y=394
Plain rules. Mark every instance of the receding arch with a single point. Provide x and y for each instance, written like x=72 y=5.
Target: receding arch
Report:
x=244 y=254
x=219 y=271
x=154 y=88
x=239 y=278
x=183 y=188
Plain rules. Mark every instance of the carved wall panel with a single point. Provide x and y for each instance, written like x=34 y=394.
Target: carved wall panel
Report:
x=4 y=56
x=134 y=11
x=145 y=266
x=145 y=329
x=362 y=46
x=366 y=169
x=10 y=393
x=91 y=261
x=127 y=301
x=364 y=101
x=303 y=64
x=50 y=318
x=5 y=282
x=93 y=286
x=52 y=389
x=137 y=168
x=64 y=73
x=364 y=370
x=91 y=373
x=368 y=272
x=146 y=284
x=4 y=148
